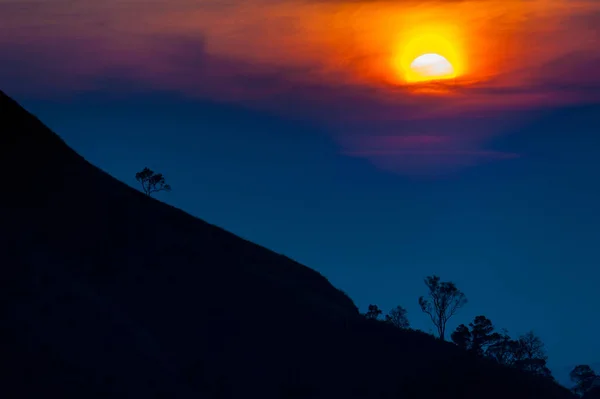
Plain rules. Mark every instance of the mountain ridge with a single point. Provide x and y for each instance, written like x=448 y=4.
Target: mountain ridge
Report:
x=56 y=149
x=107 y=292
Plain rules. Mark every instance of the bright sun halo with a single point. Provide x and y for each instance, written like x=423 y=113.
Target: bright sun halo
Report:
x=429 y=52
x=431 y=67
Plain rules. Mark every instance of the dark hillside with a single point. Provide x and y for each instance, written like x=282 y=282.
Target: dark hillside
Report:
x=106 y=292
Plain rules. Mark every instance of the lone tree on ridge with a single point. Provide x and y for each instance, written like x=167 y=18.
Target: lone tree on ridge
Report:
x=151 y=182
x=443 y=302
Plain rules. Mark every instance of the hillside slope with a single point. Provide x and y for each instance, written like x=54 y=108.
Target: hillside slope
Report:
x=106 y=292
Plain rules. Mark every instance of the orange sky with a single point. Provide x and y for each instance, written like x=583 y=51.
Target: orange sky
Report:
x=333 y=56
x=493 y=43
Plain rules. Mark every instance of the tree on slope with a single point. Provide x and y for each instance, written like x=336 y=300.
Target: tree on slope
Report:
x=373 y=313
x=530 y=355
x=462 y=337
x=478 y=337
x=397 y=317
x=151 y=182
x=504 y=350
x=583 y=376
x=443 y=301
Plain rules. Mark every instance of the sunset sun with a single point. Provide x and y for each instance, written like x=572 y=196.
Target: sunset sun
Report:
x=429 y=53
x=431 y=67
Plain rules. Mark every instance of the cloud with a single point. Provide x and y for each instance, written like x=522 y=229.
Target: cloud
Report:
x=328 y=61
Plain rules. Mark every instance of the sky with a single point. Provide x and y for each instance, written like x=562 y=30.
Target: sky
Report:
x=294 y=124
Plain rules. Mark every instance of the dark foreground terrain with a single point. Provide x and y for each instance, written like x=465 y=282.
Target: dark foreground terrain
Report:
x=107 y=293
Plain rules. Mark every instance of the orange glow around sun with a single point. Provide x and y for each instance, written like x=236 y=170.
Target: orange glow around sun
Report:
x=379 y=44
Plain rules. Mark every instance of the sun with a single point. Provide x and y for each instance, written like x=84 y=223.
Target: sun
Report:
x=429 y=53
x=431 y=67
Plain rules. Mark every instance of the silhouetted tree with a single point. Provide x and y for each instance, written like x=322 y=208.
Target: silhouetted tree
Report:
x=503 y=350
x=482 y=335
x=151 y=182
x=478 y=337
x=397 y=317
x=443 y=303
x=532 y=346
x=530 y=355
x=583 y=376
x=373 y=313
x=461 y=337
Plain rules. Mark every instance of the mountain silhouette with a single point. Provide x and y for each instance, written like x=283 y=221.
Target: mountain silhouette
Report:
x=108 y=293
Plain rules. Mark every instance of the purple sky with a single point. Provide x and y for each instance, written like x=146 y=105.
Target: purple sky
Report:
x=328 y=61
